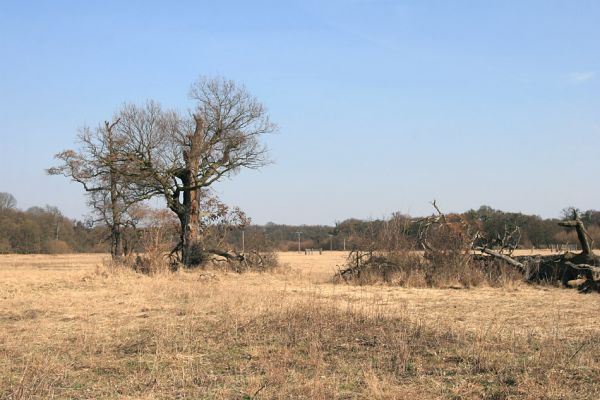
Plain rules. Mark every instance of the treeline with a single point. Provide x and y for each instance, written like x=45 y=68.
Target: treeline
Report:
x=534 y=231
x=46 y=230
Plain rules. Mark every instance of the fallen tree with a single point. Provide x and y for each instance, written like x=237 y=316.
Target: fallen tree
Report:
x=446 y=260
x=454 y=250
x=569 y=267
x=502 y=257
x=253 y=260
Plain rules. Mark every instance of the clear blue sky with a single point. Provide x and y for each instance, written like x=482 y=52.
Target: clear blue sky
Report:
x=382 y=105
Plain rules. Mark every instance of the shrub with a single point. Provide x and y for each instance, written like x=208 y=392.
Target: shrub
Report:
x=58 y=247
x=5 y=247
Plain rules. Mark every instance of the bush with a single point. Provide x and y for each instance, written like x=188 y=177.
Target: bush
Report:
x=58 y=247
x=260 y=261
x=5 y=247
x=149 y=264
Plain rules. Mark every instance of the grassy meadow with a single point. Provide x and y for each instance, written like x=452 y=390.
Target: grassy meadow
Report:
x=72 y=327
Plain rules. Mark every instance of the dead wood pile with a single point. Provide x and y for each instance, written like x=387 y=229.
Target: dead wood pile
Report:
x=454 y=249
x=242 y=262
x=571 y=269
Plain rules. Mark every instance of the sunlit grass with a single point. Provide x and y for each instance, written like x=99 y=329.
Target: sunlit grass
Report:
x=72 y=328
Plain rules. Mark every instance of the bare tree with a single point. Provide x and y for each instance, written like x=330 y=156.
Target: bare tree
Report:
x=7 y=201
x=100 y=167
x=179 y=155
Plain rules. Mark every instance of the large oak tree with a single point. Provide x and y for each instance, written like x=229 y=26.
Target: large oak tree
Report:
x=180 y=155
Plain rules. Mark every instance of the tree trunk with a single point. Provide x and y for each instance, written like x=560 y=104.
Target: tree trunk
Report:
x=115 y=243
x=190 y=216
x=582 y=235
x=190 y=223
x=116 y=247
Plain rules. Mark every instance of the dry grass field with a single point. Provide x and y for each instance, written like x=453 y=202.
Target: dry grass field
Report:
x=72 y=327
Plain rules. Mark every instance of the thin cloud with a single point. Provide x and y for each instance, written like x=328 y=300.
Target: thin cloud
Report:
x=578 y=78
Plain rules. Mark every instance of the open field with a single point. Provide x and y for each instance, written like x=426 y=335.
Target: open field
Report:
x=70 y=327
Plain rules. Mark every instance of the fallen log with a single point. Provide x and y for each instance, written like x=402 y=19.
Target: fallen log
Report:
x=230 y=256
x=583 y=267
x=503 y=257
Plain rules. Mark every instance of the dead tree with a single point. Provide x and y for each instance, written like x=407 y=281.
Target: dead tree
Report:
x=583 y=236
x=566 y=267
x=446 y=240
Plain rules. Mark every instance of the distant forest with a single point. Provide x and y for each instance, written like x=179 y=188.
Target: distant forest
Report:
x=46 y=230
